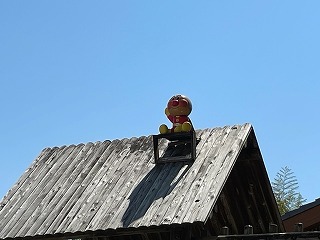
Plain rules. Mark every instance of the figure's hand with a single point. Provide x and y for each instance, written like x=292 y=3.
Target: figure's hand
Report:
x=166 y=111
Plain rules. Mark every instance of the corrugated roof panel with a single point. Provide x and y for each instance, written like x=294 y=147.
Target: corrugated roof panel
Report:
x=110 y=185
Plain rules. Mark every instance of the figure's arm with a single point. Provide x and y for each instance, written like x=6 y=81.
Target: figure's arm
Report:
x=166 y=111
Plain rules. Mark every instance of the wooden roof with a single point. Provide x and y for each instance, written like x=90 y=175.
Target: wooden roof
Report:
x=115 y=185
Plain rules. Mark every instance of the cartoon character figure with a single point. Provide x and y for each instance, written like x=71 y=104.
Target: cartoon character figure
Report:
x=177 y=111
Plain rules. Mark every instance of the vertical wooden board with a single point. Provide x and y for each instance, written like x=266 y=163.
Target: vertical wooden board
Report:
x=147 y=190
x=57 y=184
x=159 y=185
x=142 y=192
x=11 y=201
x=199 y=175
x=33 y=191
x=176 y=173
x=107 y=181
x=187 y=190
x=135 y=195
x=91 y=195
x=107 y=175
x=22 y=180
x=160 y=206
x=113 y=188
x=119 y=192
x=170 y=201
x=216 y=181
x=51 y=193
x=73 y=166
x=53 y=211
x=99 y=193
x=79 y=178
x=212 y=167
x=132 y=176
x=96 y=189
x=110 y=178
x=84 y=189
x=119 y=187
x=142 y=162
x=167 y=193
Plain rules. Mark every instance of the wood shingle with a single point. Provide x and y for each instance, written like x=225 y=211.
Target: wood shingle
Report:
x=114 y=186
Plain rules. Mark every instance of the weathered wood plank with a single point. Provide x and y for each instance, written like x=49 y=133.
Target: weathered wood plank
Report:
x=117 y=185
x=76 y=167
x=174 y=175
x=120 y=191
x=165 y=191
x=92 y=195
x=50 y=194
x=89 y=213
x=32 y=192
x=142 y=163
x=62 y=184
x=23 y=179
x=188 y=188
x=217 y=180
x=80 y=177
x=159 y=206
x=90 y=173
x=14 y=195
x=209 y=169
x=160 y=185
x=107 y=179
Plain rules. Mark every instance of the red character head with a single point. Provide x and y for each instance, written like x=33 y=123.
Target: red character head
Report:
x=179 y=105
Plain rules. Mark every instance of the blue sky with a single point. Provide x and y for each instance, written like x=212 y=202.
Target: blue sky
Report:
x=86 y=71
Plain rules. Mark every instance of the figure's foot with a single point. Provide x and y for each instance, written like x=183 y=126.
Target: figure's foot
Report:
x=163 y=129
x=186 y=127
x=178 y=128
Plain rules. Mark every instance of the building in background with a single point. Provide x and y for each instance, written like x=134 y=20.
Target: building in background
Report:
x=308 y=215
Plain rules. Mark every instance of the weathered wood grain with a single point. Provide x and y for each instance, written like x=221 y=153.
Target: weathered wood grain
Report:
x=225 y=161
x=49 y=195
x=197 y=177
x=92 y=194
x=10 y=201
x=141 y=164
x=163 y=204
x=23 y=179
x=82 y=176
x=110 y=179
x=116 y=185
x=68 y=189
x=123 y=179
x=30 y=196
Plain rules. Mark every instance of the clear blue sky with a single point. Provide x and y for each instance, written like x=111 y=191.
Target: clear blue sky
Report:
x=84 y=71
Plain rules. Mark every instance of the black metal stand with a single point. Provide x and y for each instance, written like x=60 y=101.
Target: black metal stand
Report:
x=183 y=140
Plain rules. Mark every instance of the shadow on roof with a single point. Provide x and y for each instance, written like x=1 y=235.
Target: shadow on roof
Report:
x=158 y=183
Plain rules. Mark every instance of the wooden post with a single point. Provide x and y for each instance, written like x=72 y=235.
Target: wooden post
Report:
x=298 y=227
x=155 y=148
x=225 y=230
x=248 y=229
x=273 y=228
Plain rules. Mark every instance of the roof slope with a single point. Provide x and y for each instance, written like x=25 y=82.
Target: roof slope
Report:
x=115 y=184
